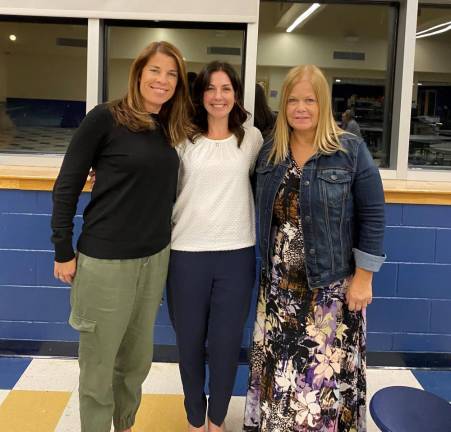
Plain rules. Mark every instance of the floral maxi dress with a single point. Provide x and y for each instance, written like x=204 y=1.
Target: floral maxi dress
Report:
x=307 y=361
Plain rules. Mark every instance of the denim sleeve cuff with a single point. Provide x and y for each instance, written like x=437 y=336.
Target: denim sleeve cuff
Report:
x=367 y=261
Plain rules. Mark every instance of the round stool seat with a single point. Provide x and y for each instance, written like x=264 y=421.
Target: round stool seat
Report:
x=406 y=409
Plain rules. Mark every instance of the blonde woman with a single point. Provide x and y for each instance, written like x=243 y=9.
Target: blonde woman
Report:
x=320 y=208
x=119 y=272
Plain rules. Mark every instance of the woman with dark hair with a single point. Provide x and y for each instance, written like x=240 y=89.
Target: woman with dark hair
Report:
x=264 y=118
x=119 y=272
x=212 y=264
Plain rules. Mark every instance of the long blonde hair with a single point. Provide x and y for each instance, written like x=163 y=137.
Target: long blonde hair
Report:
x=174 y=115
x=327 y=132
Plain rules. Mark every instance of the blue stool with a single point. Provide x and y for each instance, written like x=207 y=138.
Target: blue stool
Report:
x=406 y=409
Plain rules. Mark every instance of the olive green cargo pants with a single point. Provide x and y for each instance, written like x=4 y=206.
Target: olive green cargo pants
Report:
x=114 y=305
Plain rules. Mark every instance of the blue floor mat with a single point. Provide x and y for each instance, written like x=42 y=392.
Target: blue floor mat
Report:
x=11 y=369
x=437 y=382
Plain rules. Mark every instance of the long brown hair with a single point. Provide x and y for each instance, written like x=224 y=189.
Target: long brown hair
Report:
x=237 y=116
x=327 y=132
x=174 y=115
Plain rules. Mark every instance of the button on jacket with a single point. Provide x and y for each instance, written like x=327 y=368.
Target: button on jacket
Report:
x=341 y=210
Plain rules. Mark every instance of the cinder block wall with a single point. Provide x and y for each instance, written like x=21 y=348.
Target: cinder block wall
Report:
x=410 y=311
x=412 y=306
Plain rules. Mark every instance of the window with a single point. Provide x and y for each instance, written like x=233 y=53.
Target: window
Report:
x=430 y=126
x=199 y=44
x=42 y=83
x=354 y=46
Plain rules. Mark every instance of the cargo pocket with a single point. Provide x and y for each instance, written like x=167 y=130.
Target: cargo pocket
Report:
x=81 y=324
x=78 y=301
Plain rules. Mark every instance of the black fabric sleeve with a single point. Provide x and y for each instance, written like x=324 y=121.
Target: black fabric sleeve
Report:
x=78 y=160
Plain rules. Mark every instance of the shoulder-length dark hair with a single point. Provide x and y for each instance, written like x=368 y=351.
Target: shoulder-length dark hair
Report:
x=174 y=114
x=237 y=116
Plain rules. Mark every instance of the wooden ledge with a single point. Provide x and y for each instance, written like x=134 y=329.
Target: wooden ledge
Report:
x=417 y=192
x=30 y=178
x=396 y=191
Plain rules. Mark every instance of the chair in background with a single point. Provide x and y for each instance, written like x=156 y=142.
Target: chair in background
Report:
x=406 y=409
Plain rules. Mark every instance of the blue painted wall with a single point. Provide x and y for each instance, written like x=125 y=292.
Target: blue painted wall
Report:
x=412 y=305
x=410 y=311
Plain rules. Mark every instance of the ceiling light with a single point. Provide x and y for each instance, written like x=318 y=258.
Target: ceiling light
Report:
x=338 y=80
x=419 y=84
x=303 y=16
x=352 y=38
x=440 y=28
x=12 y=37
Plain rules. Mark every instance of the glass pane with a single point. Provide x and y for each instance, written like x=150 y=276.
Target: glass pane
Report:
x=430 y=126
x=352 y=44
x=42 y=85
x=198 y=47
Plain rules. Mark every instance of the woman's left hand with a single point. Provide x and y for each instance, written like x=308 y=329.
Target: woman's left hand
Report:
x=360 y=290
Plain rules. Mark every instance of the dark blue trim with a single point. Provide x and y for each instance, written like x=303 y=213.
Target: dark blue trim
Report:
x=168 y=354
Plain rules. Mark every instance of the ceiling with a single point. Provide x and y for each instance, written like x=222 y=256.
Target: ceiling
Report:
x=345 y=20
x=350 y=22
x=335 y=20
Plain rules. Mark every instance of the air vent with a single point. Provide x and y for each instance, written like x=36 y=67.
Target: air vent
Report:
x=224 y=51
x=70 y=42
x=347 y=55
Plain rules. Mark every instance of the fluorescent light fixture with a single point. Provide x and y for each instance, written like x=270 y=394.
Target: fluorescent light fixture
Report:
x=303 y=17
x=12 y=37
x=338 y=80
x=419 y=84
x=440 y=28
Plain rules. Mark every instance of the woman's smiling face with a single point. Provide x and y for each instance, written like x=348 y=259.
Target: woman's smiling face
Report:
x=219 y=96
x=302 y=108
x=158 y=81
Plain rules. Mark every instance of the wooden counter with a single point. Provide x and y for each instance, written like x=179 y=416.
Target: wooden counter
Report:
x=417 y=192
x=29 y=178
x=396 y=191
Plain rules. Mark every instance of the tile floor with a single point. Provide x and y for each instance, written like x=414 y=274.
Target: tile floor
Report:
x=40 y=395
x=35 y=139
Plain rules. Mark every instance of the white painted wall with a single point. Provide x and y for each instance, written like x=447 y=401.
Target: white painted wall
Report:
x=127 y=42
x=118 y=76
x=287 y=49
x=3 y=83
x=277 y=52
x=433 y=56
x=46 y=77
x=171 y=10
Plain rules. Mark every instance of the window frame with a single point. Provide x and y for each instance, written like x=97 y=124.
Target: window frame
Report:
x=46 y=159
x=192 y=25
x=410 y=173
x=402 y=83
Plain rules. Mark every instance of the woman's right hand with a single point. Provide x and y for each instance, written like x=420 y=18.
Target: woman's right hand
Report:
x=65 y=272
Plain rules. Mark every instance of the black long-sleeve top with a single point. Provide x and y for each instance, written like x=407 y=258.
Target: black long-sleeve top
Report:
x=129 y=214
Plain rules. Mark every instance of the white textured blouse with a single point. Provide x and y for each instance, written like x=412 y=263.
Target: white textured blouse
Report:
x=214 y=210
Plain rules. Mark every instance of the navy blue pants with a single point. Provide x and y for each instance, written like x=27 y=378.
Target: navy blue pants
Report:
x=208 y=298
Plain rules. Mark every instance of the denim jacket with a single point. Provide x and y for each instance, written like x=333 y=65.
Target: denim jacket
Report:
x=341 y=211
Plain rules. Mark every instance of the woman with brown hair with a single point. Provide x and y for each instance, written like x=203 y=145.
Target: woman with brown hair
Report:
x=212 y=266
x=320 y=212
x=119 y=271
